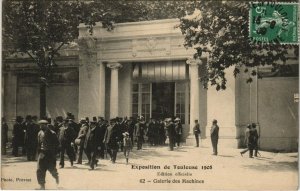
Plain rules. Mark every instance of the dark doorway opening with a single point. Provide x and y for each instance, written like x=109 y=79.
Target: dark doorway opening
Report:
x=163 y=100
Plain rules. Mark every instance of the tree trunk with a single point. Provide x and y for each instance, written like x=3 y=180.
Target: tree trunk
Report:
x=42 y=100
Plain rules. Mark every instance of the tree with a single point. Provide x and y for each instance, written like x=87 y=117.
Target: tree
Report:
x=40 y=28
x=220 y=30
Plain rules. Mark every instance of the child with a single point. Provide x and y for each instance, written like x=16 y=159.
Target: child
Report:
x=127 y=145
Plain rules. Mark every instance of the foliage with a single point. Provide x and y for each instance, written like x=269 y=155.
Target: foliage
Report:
x=219 y=29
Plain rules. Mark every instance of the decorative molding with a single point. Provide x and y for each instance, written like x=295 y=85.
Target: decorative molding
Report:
x=114 y=65
x=151 y=44
x=88 y=53
x=193 y=62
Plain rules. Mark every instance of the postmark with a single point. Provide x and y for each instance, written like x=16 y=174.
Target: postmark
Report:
x=273 y=22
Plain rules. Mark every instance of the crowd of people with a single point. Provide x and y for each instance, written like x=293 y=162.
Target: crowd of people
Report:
x=98 y=138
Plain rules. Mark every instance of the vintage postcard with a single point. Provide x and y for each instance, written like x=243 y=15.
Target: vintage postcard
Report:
x=150 y=95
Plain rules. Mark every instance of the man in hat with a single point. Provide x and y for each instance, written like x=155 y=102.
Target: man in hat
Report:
x=139 y=133
x=47 y=148
x=255 y=139
x=247 y=134
x=4 y=135
x=17 y=136
x=197 y=132
x=91 y=143
x=178 y=129
x=30 y=138
x=170 y=127
x=214 y=136
x=81 y=139
x=102 y=129
x=127 y=143
x=66 y=139
x=111 y=140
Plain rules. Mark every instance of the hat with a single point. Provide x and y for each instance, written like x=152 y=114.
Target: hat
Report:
x=82 y=120
x=43 y=121
x=125 y=134
x=177 y=119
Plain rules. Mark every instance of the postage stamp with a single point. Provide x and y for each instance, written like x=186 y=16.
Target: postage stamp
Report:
x=273 y=22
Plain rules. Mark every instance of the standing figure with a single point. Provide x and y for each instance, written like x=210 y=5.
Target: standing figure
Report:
x=150 y=132
x=255 y=139
x=247 y=134
x=127 y=143
x=47 y=148
x=91 y=143
x=31 y=138
x=111 y=140
x=102 y=129
x=79 y=141
x=4 y=136
x=170 y=127
x=178 y=129
x=66 y=141
x=214 y=135
x=17 y=136
x=139 y=133
x=197 y=132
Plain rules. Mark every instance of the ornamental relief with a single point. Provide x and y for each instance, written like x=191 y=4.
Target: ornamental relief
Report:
x=88 y=54
x=152 y=46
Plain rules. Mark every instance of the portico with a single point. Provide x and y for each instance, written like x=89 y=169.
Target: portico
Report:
x=140 y=63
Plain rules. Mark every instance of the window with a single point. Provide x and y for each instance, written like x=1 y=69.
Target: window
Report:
x=141 y=100
x=180 y=100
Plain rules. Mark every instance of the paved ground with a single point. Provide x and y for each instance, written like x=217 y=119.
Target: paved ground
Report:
x=229 y=171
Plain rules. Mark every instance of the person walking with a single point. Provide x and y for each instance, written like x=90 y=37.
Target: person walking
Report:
x=79 y=141
x=47 y=148
x=127 y=143
x=247 y=134
x=178 y=129
x=66 y=142
x=255 y=139
x=214 y=135
x=91 y=143
x=111 y=140
x=197 y=132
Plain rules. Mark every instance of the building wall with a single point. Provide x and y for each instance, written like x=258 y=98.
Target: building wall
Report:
x=278 y=113
x=125 y=80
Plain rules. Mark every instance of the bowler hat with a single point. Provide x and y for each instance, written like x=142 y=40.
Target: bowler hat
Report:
x=43 y=121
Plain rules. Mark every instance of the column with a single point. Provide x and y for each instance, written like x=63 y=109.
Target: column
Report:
x=114 y=88
x=194 y=92
x=101 y=89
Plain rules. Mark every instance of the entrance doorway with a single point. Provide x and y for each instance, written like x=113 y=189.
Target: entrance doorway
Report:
x=163 y=100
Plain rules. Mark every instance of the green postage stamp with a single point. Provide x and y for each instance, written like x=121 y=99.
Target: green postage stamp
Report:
x=274 y=22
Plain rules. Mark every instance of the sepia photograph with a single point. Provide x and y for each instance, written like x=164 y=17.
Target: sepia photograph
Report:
x=149 y=95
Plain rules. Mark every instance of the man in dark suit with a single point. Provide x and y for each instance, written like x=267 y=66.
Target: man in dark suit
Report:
x=139 y=133
x=17 y=136
x=31 y=138
x=4 y=135
x=111 y=140
x=197 y=132
x=91 y=143
x=66 y=139
x=170 y=127
x=178 y=129
x=214 y=135
x=81 y=138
